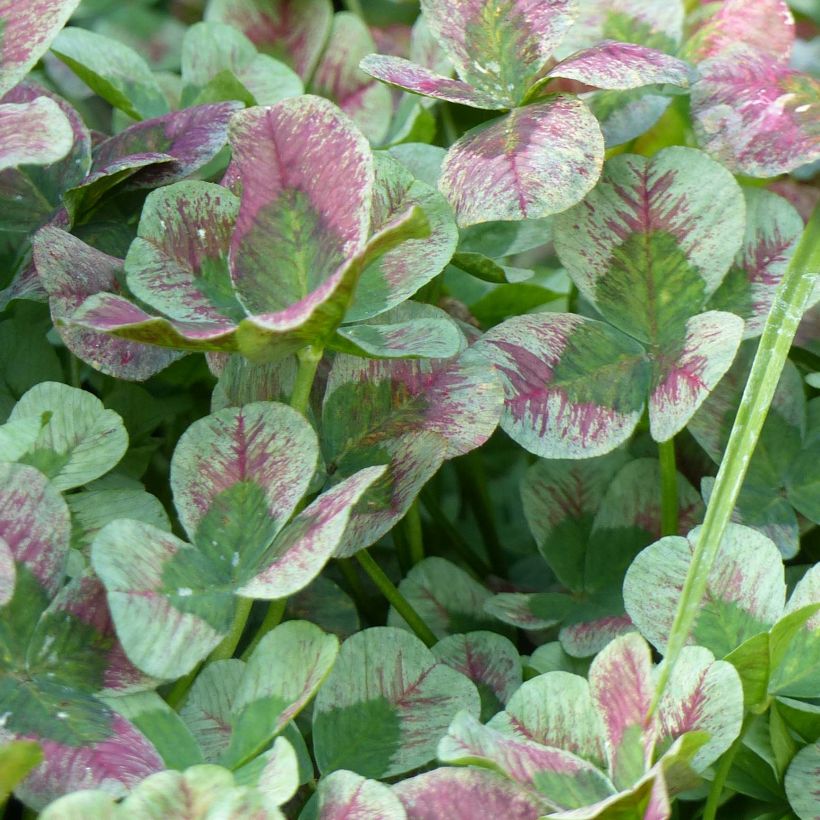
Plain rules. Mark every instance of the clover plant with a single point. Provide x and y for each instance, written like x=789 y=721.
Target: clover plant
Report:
x=409 y=410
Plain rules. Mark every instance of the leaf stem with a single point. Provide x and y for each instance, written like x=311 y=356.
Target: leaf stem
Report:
x=355 y=7
x=272 y=619
x=396 y=599
x=178 y=691
x=669 y=487
x=722 y=772
x=229 y=643
x=415 y=537
x=778 y=334
x=309 y=358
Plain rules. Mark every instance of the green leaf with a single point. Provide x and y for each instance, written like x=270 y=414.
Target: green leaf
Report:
x=801 y=782
x=385 y=705
x=112 y=70
x=79 y=439
x=17 y=759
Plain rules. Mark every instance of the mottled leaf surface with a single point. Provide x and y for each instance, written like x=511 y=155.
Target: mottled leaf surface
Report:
x=464 y=794
x=530 y=163
x=73 y=271
x=746 y=590
x=34 y=133
x=802 y=778
x=574 y=387
x=755 y=114
x=620 y=66
x=27 y=31
x=499 y=46
x=385 y=705
x=344 y=795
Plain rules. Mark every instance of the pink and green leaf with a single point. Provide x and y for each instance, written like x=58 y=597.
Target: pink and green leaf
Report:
x=167 y=610
x=294 y=31
x=237 y=476
x=34 y=524
x=71 y=272
x=501 y=170
x=499 y=46
x=388 y=281
x=746 y=590
x=448 y=600
x=27 y=31
x=178 y=264
x=593 y=630
x=621 y=683
x=653 y=240
x=574 y=387
x=621 y=66
x=117 y=761
x=338 y=77
x=408 y=76
x=766 y=27
x=294 y=223
x=466 y=793
x=386 y=704
x=755 y=114
x=564 y=780
x=556 y=710
x=489 y=660
x=33 y=133
x=773 y=227
x=343 y=795
x=703 y=695
x=300 y=552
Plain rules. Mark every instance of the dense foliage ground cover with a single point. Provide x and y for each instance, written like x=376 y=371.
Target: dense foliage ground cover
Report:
x=410 y=413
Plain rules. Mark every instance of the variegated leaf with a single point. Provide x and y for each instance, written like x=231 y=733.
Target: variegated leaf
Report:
x=595 y=629
x=8 y=573
x=242 y=382
x=447 y=598
x=773 y=227
x=556 y=710
x=294 y=31
x=575 y=387
x=564 y=780
x=338 y=77
x=276 y=154
x=166 y=609
x=621 y=66
x=653 y=240
x=489 y=660
x=28 y=29
x=703 y=695
x=34 y=524
x=416 y=79
x=499 y=46
x=79 y=439
x=620 y=680
x=71 y=272
x=178 y=263
x=398 y=274
x=501 y=170
x=465 y=794
x=746 y=590
x=766 y=26
x=34 y=133
x=344 y=795
x=755 y=114
x=385 y=705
